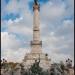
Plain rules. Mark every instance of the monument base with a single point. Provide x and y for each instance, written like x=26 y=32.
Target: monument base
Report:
x=30 y=58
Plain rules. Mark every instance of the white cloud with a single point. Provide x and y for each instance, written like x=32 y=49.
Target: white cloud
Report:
x=9 y=41
x=10 y=22
x=14 y=55
x=4 y=25
x=14 y=6
x=11 y=48
x=58 y=37
x=18 y=19
x=67 y=29
x=52 y=12
x=23 y=24
x=69 y=24
x=71 y=2
x=19 y=28
x=59 y=44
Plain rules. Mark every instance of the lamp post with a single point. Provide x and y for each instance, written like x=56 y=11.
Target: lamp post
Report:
x=69 y=63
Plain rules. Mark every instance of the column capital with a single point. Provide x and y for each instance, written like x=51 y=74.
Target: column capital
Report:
x=36 y=7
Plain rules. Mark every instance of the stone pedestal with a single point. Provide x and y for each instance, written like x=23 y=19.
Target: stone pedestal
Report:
x=30 y=58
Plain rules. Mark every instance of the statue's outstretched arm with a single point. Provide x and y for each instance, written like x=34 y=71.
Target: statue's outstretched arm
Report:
x=35 y=1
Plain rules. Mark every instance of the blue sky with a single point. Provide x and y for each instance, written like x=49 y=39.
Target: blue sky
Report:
x=56 y=24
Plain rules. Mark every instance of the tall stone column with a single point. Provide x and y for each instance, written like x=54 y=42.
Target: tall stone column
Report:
x=36 y=43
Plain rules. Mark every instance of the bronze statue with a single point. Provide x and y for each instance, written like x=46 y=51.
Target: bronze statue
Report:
x=37 y=62
x=35 y=1
x=35 y=68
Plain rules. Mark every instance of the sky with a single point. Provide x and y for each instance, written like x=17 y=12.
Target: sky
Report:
x=56 y=28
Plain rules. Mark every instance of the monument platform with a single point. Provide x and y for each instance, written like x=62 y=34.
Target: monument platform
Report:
x=30 y=58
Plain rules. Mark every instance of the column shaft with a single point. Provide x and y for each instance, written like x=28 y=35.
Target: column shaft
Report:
x=36 y=29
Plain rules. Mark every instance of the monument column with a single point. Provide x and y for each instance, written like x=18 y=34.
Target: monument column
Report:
x=36 y=43
x=36 y=29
